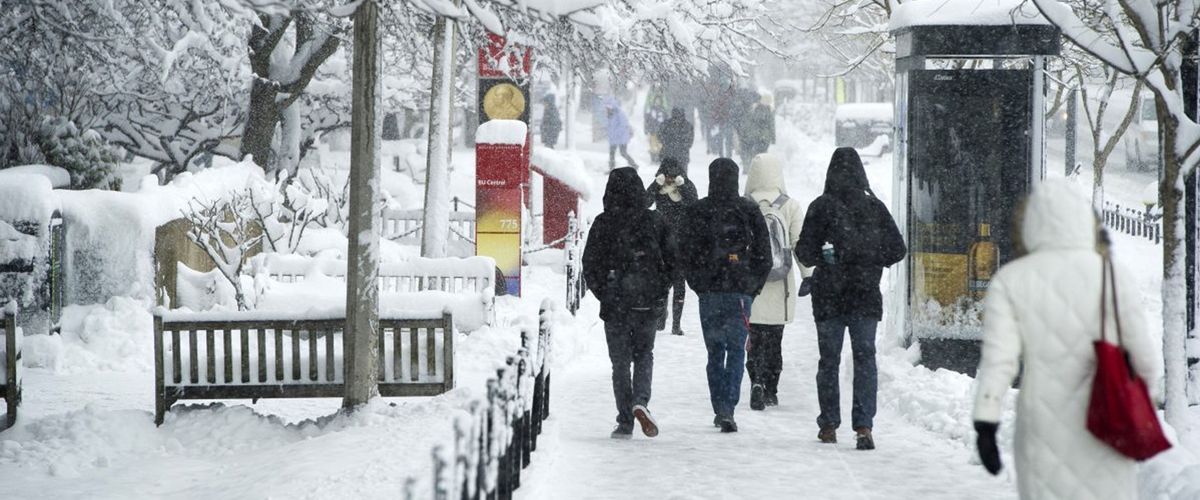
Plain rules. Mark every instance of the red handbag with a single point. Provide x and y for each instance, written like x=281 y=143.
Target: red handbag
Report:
x=1120 y=412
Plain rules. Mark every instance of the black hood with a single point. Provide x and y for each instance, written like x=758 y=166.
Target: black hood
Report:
x=624 y=191
x=846 y=174
x=670 y=168
x=677 y=114
x=723 y=178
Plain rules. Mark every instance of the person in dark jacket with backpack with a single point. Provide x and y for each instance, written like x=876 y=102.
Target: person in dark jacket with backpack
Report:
x=677 y=136
x=551 y=123
x=671 y=192
x=727 y=260
x=849 y=236
x=628 y=262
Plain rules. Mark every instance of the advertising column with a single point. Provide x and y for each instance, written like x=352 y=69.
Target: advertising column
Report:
x=502 y=156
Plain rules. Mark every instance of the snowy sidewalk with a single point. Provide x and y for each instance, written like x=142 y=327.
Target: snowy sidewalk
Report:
x=775 y=454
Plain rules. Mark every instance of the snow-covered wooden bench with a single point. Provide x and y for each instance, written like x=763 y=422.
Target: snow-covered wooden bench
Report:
x=265 y=354
x=470 y=280
x=10 y=363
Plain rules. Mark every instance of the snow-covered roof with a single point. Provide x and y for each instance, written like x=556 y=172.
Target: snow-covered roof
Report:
x=965 y=13
x=511 y=132
x=565 y=167
x=58 y=176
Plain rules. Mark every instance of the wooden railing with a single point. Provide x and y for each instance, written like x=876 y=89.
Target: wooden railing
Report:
x=1133 y=222
x=496 y=442
x=405 y=226
x=10 y=385
x=251 y=356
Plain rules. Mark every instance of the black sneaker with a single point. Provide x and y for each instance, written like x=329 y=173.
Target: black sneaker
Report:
x=757 y=397
x=728 y=425
x=864 y=439
x=677 y=331
x=828 y=434
x=649 y=426
x=716 y=420
x=624 y=430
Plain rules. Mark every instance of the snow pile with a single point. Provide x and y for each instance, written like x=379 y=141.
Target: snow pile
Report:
x=965 y=13
x=26 y=198
x=16 y=246
x=565 y=167
x=58 y=176
x=510 y=132
x=114 y=336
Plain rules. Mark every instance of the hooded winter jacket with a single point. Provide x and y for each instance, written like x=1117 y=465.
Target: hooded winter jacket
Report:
x=551 y=123
x=627 y=227
x=776 y=303
x=671 y=198
x=619 y=129
x=706 y=268
x=677 y=136
x=865 y=240
x=1043 y=309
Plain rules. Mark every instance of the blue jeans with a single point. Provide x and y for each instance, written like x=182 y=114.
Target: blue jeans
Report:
x=723 y=318
x=830 y=334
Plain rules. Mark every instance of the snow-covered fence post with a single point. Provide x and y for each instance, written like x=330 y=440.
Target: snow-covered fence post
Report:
x=362 y=266
x=12 y=363
x=546 y=332
x=574 y=264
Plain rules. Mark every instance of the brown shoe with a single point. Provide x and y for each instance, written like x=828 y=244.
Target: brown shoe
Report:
x=828 y=434
x=864 y=439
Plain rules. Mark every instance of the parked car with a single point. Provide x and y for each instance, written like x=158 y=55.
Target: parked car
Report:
x=866 y=126
x=1141 y=139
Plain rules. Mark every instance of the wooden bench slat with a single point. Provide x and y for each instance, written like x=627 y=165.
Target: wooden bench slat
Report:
x=380 y=366
x=330 y=357
x=211 y=362
x=415 y=347
x=193 y=370
x=227 y=337
x=262 y=354
x=176 y=356
x=312 y=355
x=397 y=359
x=295 y=355
x=431 y=351
x=278 y=354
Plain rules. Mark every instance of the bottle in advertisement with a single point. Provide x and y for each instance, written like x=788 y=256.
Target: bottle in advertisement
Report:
x=982 y=261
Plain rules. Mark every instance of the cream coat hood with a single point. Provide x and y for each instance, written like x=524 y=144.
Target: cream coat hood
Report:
x=765 y=176
x=1058 y=217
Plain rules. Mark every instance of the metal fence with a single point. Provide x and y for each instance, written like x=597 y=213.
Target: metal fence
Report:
x=496 y=441
x=1133 y=222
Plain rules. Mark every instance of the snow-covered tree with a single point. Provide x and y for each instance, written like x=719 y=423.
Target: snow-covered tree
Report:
x=226 y=230
x=1146 y=39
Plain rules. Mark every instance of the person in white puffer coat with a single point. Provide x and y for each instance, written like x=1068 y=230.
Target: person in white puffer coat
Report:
x=1044 y=309
x=774 y=307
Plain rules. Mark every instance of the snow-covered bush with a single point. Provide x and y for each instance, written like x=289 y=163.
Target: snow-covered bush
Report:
x=227 y=231
x=89 y=159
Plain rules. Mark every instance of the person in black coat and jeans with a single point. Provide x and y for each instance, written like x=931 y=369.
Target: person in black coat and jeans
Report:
x=727 y=260
x=671 y=192
x=849 y=236
x=628 y=262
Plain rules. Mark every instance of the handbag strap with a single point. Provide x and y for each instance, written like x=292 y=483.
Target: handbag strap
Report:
x=1107 y=270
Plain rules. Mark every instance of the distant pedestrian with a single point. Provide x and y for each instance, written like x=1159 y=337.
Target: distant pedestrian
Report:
x=677 y=135
x=1042 y=313
x=672 y=193
x=655 y=114
x=628 y=260
x=551 y=123
x=849 y=236
x=757 y=132
x=727 y=257
x=619 y=133
x=775 y=305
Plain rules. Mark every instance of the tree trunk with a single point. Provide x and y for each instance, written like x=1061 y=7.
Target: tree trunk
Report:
x=1098 y=183
x=362 y=273
x=1174 y=300
x=436 y=223
x=260 y=122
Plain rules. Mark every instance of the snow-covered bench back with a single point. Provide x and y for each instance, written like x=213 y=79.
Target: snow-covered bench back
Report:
x=404 y=226
x=10 y=362
x=452 y=274
x=272 y=354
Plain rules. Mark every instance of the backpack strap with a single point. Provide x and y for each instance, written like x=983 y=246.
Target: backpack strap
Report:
x=778 y=203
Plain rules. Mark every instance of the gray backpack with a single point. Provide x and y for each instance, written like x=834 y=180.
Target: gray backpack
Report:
x=777 y=230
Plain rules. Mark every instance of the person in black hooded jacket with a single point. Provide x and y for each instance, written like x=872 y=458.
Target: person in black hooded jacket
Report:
x=849 y=236
x=727 y=260
x=671 y=192
x=677 y=136
x=628 y=261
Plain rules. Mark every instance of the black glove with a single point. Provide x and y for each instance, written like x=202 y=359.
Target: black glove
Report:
x=989 y=454
x=805 y=287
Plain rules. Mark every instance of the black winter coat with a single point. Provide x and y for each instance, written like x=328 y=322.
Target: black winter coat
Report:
x=551 y=123
x=627 y=222
x=674 y=213
x=677 y=136
x=850 y=286
x=707 y=272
